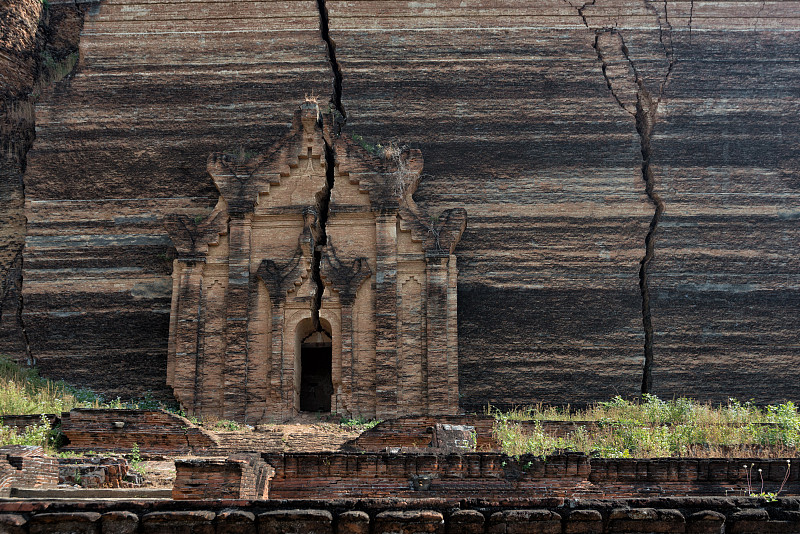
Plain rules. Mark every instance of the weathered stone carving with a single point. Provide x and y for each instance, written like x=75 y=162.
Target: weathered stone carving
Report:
x=243 y=340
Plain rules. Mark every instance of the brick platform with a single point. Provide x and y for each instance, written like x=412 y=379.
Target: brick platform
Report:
x=415 y=431
x=488 y=475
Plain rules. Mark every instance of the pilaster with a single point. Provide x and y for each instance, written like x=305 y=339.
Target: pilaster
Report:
x=235 y=368
x=386 y=315
x=187 y=332
x=439 y=383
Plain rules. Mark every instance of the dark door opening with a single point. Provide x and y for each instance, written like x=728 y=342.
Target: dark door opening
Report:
x=316 y=385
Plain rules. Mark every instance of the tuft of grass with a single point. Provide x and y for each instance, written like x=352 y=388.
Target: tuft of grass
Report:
x=53 y=70
x=374 y=149
x=652 y=427
x=227 y=426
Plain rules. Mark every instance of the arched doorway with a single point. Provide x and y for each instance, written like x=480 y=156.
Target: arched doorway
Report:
x=315 y=368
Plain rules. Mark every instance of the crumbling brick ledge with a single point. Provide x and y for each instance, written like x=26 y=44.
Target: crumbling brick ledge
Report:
x=151 y=431
x=689 y=515
x=335 y=475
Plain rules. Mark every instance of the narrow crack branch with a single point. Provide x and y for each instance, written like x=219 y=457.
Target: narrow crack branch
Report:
x=758 y=15
x=581 y=10
x=604 y=65
x=669 y=51
x=691 y=17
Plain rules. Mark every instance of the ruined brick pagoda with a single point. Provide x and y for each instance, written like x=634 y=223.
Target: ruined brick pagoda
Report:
x=316 y=284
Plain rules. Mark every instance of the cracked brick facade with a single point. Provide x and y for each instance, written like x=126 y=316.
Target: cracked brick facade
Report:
x=511 y=106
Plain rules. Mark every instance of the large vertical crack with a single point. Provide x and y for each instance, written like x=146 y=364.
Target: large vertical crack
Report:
x=645 y=122
x=644 y=110
x=323 y=198
x=336 y=69
x=320 y=236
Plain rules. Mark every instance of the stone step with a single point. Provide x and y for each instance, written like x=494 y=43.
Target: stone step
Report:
x=92 y=494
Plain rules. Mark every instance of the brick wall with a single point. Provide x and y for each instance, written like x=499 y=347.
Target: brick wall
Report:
x=681 y=515
x=478 y=475
x=26 y=466
x=241 y=476
x=153 y=431
x=314 y=475
x=512 y=109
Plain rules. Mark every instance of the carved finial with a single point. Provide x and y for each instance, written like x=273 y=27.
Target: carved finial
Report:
x=310 y=112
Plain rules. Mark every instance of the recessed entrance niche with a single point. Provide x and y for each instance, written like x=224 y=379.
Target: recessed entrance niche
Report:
x=247 y=280
x=315 y=361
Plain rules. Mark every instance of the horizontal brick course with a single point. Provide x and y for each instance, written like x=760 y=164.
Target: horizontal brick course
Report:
x=65 y=522
x=409 y=522
x=121 y=522
x=184 y=522
x=408 y=516
x=525 y=522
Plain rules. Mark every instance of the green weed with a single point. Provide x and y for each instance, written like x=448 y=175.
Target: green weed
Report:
x=136 y=460
x=358 y=423
x=375 y=150
x=24 y=392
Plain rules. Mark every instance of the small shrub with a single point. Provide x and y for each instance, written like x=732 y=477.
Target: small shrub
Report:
x=136 y=460
x=375 y=150
x=358 y=423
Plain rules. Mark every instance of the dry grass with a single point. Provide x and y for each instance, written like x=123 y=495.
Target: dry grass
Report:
x=23 y=391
